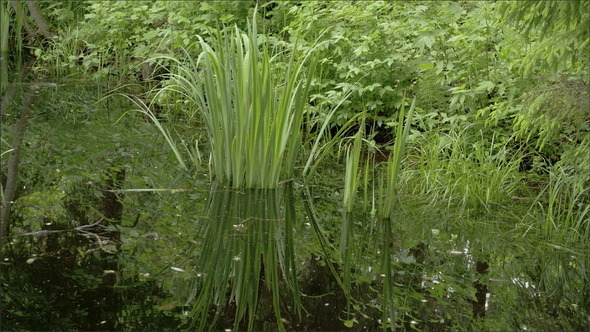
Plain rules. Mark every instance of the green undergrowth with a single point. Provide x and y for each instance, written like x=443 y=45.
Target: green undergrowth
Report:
x=466 y=208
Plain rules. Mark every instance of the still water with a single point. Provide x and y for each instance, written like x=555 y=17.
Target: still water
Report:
x=291 y=259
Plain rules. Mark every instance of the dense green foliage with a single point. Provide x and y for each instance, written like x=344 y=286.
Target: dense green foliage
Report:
x=430 y=164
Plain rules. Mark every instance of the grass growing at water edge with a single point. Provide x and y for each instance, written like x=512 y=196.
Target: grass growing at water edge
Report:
x=565 y=212
x=386 y=209
x=253 y=119
x=451 y=168
x=394 y=162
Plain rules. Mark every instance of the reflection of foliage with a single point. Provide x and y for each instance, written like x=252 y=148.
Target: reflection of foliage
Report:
x=145 y=307
x=55 y=278
x=247 y=253
x=73 y=290
x=37 y=208
x=53 y=292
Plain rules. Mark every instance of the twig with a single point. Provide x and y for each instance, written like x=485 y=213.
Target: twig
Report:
x=82 y=229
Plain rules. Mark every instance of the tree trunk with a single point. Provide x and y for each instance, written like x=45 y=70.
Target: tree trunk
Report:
x=12 y=164
x=17 y=7
x=7 y=97
x=39 y=19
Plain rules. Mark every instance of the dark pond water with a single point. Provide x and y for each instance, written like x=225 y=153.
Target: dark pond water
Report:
x=291 y=259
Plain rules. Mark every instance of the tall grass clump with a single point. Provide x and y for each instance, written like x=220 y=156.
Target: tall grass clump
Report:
x=564 y=206
x=469 y=171
x=252 y=102
x=351 y=177
x=392 y=172
x=389 y=183
x=351 y=183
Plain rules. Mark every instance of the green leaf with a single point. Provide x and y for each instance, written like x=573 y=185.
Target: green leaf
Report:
x=425 y=38
x=458 y=89
x=150 y=34
x=360 y=50
x=485 y=85
x=426 y=65
x=455 y=38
